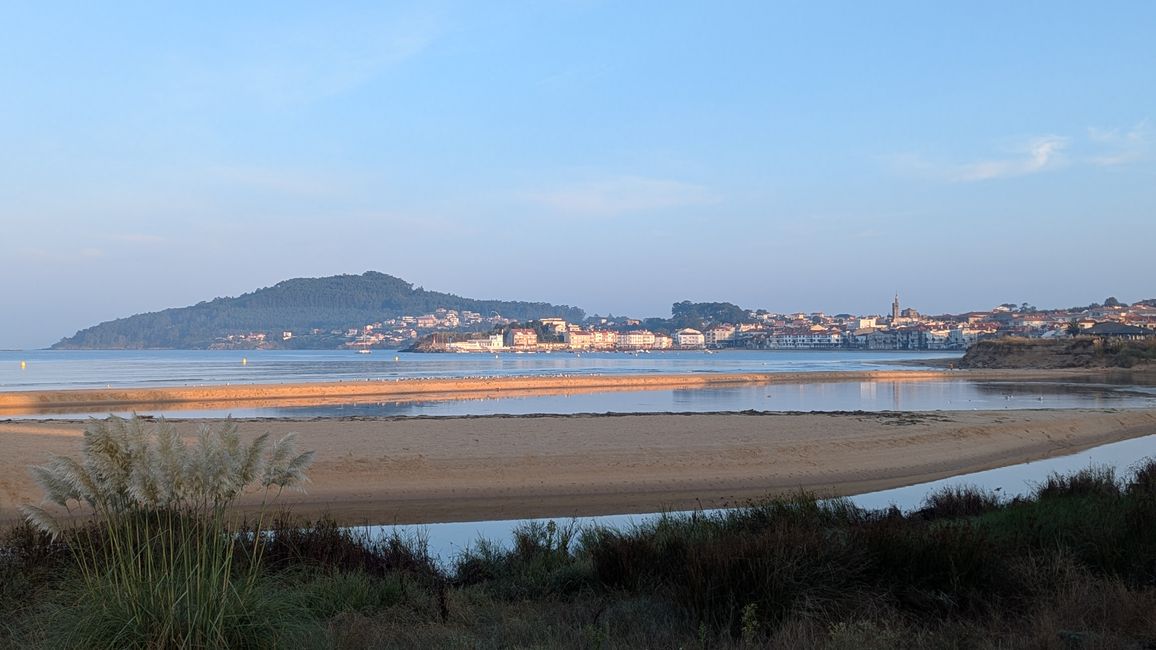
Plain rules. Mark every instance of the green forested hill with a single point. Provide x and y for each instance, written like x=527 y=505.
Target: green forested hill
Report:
x=338 y=301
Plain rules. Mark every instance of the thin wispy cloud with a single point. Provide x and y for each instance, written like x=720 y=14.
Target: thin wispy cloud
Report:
x=1037 y=155
x=1099 y=147
x=1120 y=147
x=620 y=195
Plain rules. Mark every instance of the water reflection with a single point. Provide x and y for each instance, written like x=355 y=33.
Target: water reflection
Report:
x=63 y=369
x=956 y=395
x=1020 y=480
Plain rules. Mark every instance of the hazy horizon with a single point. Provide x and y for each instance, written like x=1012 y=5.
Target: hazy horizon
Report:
x=882 y=310
x=614 y=158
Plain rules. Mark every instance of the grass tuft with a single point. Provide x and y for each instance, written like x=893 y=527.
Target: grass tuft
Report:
x=954 y=501
x=158 y=559
x=1096 y=481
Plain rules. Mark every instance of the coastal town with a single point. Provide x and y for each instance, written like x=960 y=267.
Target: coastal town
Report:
x=449 y=330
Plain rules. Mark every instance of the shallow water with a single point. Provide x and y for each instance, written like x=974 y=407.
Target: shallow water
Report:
x=51 y=369
x=955 y=395
x=62 y=369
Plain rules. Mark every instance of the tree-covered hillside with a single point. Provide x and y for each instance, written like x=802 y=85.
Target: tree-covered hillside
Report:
x=300 y=304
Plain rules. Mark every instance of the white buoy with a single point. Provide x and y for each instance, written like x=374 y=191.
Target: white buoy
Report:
x=244 y=361
x=397 y=358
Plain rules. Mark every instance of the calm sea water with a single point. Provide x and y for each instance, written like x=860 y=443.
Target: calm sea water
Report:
x=840 y=396
x=52 y=369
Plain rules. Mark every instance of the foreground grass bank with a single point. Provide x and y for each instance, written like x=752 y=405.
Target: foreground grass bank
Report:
x=1074 y=565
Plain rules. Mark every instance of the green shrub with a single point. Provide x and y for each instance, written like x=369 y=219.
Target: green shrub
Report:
x=540 y=564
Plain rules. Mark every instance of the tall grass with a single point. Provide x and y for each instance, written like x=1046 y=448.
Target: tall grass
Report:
x=158 y=554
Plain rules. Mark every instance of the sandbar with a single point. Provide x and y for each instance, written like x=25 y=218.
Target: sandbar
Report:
x=59 y=402
x=420 y=470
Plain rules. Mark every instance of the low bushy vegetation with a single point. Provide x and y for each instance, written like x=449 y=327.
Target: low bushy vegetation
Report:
x=1078 y=352
x=1131 y=353
x=1073 y=564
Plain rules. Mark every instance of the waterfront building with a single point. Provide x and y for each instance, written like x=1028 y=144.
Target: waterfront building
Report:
x=521 y=337
x=962 y=337
x=688 y=338
x=1119 y=331
x=718 y=335
x=579 y=339
x=605 y=339
x=636 y=340
x=556 y=324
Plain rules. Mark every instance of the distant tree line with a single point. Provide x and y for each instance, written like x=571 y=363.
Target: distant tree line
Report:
x=698 y=315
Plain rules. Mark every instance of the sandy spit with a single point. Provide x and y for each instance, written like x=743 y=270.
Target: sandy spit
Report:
x=40 y=402
x=415 y=470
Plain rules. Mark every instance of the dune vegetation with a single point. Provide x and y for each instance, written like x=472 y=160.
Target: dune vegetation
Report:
x=163 y=565
x=1079 y=352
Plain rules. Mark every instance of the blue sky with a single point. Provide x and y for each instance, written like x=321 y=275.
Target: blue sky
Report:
x=614 y=156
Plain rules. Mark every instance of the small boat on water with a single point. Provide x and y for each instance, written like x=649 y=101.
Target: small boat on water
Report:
x=365 y=351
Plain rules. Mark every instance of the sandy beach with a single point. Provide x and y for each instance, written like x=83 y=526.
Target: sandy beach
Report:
x=411 y=470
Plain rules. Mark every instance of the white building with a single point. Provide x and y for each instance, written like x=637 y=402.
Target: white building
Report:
x=636 y=340
x=801 y=339
x=962 y=337
x=492 y=343
x=689 y=338
x=472 y=345
x=719 y=335
x=556 y=324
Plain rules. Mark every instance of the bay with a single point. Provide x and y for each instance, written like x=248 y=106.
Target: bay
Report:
x=50 y=369
x=66 y=369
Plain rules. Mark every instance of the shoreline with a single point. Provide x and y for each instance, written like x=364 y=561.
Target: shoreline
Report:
x=48 y=402
x=426 y=470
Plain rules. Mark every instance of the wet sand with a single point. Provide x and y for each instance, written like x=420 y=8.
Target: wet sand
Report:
x=58 y=402
x=415 y=470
